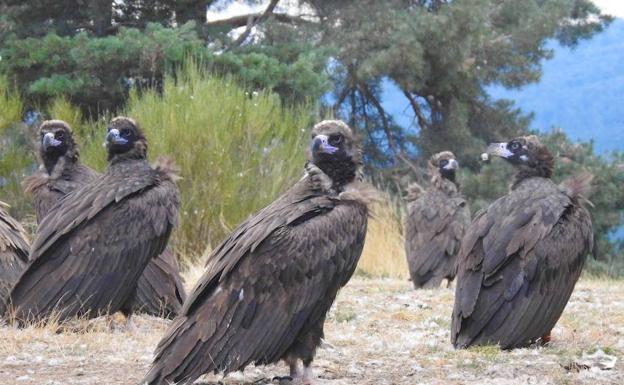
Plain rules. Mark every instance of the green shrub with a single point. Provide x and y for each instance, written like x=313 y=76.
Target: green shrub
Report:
x=15 y=159
x=236 y=150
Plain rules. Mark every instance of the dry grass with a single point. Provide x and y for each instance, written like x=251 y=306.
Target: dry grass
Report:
x=380 y=331
x=384 y=254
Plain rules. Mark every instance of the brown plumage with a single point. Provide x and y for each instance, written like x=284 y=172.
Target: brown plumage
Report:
x=60 y=171
x=13 y=254
x=435 y=224
x=521 y=256
x=160 y=289
x=92 y=246
x=269 y=285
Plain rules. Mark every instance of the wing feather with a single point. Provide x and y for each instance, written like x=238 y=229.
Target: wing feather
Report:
x=434 y=227
x=520 y=261
x=14 y=247
x=93 y=245
x=276 y=272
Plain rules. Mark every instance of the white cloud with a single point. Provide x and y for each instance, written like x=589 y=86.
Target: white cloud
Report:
x=611 y=7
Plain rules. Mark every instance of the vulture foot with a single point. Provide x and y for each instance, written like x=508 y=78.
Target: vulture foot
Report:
x=545 y=339
x=285 y=380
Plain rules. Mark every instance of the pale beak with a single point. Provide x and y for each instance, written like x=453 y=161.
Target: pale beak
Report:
x=499 y=149
x=113 y=137
x=451 y=165
x=50 y=141
x=320 y=144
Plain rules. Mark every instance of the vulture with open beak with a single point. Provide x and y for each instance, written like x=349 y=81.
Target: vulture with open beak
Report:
x=94 y=244
x=435 y=224
x=160 y=290
x=269 y=285
x=521 y=256
x=13 y=254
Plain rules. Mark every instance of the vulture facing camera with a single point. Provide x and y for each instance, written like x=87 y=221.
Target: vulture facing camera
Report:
x=92 y=246
x=435 y=224
x=268 y=287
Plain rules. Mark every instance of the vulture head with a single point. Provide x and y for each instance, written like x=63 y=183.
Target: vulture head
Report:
x=526 y=153
x=335 y=151
x=56 y=141
x=444 y=164
x=125 y=139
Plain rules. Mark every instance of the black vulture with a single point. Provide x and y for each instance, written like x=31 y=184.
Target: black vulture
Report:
x=13 y=254
x=435 y=224
x=521 y=256
x=160 y=289
x=94 y=244
x=269 y=285
x=60 y=170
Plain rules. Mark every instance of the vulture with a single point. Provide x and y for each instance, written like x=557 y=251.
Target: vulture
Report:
x=160 y=289
x=435 y=224
x=268 y=286
x=93 y=245
x=60 y=170
x=521 y=256
x=13 y=254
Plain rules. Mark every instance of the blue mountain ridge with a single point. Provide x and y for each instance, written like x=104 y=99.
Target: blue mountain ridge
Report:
x=581 y=91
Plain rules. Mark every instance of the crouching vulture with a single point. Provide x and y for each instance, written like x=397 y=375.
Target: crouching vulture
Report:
x=13 y=254
x=435 y=224
x=160 y=289
x=94 y=244
x=521 y=256
x=268 y=287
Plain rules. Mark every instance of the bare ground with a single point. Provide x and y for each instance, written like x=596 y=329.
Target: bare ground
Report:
x=379 y=332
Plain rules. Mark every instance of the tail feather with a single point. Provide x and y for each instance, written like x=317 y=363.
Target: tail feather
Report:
x=579 y=186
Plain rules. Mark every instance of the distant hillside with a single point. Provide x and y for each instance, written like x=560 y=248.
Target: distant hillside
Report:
x=581 y=91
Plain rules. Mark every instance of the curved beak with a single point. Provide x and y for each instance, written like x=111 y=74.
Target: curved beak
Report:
x=113 y=137
x=499 y=149
x=49 y=141
x=451 y=165
x=320 y=144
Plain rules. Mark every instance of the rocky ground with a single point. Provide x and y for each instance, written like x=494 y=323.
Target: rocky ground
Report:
x=379 y=332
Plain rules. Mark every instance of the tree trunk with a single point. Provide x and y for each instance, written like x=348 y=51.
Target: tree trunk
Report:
x=186 y=11
x=101 y=12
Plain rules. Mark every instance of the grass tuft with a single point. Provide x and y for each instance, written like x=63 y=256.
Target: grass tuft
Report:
x=384 y=253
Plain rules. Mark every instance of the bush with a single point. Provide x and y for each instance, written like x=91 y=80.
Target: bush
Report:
x=237 y=150
x=15 y=160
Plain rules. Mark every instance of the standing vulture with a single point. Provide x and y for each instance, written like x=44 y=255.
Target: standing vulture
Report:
x=60 y=171
x=521 y=256
x=13 y=254
x=92 y=247
x=270 y=284
x=435 y=224
x=160 y=289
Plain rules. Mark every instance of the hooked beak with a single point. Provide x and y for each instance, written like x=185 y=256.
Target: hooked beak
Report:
x=113 y=137
x=451 y=165
x=50 y=141
x=320 y=144
x=498 y=149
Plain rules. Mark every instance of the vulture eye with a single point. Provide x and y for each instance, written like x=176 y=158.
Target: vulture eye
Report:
x=125 y=132
x=335 y=140
x=514 y=146
x=443 y=162
x=60 y=135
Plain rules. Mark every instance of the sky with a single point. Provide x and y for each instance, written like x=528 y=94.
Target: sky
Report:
x=611 y=7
